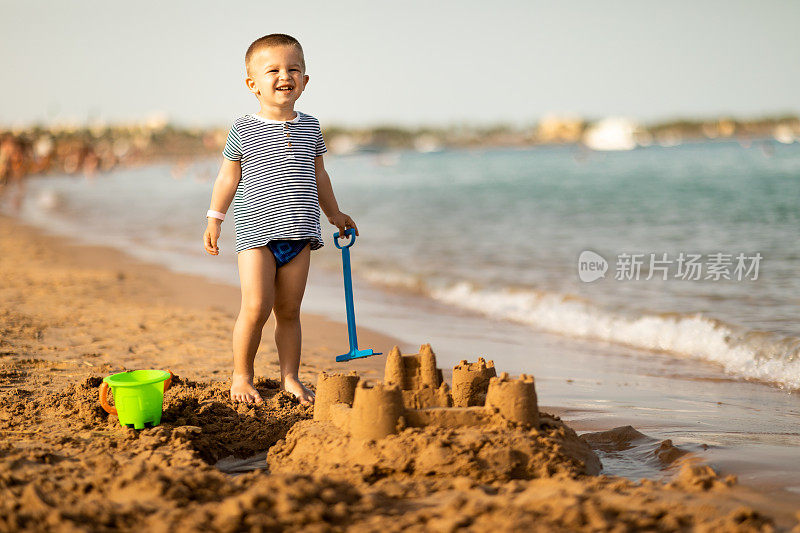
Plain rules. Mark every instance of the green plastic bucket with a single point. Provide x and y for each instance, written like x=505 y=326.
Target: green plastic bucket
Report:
x=138 y=396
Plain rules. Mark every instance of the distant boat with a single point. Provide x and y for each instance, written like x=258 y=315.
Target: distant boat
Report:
x=613 y=133
x=784 y=134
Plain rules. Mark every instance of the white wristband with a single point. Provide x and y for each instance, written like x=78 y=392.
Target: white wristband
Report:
x=215 y=214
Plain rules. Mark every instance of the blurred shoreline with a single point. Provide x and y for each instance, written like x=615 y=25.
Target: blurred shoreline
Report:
x=100 y=147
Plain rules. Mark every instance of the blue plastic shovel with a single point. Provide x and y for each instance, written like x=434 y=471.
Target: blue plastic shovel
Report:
x=354 y=352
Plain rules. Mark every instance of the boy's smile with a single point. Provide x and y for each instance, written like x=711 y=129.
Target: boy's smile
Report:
x=276 y=75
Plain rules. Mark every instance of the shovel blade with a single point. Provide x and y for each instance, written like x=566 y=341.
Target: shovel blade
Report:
x=355 y=354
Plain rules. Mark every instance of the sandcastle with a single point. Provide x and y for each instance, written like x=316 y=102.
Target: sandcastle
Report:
x=413 y=394
x=487 y=427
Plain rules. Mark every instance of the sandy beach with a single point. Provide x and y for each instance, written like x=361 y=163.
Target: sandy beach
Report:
x=72 y=314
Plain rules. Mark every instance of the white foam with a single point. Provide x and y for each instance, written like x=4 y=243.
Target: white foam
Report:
x=754 y=355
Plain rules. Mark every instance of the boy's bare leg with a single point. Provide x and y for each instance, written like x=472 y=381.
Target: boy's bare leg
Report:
x=257 y=277
x=290 y=284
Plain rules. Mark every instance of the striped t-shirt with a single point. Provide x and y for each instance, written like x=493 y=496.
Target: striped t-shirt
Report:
x=277 y=193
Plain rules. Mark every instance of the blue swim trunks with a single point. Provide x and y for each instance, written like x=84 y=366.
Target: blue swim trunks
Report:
x=285 y=250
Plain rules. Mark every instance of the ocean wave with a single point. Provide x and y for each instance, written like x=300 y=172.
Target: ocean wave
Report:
x=752 y=354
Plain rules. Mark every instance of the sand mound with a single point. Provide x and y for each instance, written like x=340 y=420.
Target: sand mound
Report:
x=102 y=490
x=73 y=464
x=197 y=417
x=633 y=444
x=485 y=454
x=564 y=504
x=216 y=428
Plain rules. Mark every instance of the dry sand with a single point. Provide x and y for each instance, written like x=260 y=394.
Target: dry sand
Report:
x=73 y=314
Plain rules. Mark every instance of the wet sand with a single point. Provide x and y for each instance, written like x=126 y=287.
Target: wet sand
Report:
x=72 y=314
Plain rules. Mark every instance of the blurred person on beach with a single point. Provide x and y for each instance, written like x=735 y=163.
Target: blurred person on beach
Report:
x=274 y=174
x=15 y=162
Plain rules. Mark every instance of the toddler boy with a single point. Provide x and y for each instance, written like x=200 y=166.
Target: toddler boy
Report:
x=274 y=173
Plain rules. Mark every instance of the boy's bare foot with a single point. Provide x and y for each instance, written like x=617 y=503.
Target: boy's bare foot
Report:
x=299 y=390
x=242 y=389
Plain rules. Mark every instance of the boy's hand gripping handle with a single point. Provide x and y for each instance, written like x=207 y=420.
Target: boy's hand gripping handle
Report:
x=350 y=232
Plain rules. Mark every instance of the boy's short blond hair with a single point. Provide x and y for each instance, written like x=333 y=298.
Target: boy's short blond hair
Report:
x=273 y=39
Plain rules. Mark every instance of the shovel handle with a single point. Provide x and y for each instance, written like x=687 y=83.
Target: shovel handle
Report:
x=110 y=409
x=349 y=232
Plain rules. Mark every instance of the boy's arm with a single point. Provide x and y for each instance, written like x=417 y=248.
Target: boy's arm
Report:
x=327 y=200
x=225 y=186
x=221 y=196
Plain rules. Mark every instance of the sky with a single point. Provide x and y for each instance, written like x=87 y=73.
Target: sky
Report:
x=407 y=63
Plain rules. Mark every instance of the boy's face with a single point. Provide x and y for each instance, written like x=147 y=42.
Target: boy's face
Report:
x=276 y=75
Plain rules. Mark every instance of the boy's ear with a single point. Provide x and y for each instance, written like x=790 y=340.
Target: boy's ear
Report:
x=305 y=80
x=251 y=84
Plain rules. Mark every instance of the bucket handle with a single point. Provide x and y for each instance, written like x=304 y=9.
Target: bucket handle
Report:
x=110 y=409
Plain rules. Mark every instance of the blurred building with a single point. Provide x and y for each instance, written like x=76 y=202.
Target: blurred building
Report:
x=559 y=129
